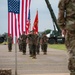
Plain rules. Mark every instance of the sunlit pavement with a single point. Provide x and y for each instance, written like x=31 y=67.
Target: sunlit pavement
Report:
x=50 y=74
x=54 y=63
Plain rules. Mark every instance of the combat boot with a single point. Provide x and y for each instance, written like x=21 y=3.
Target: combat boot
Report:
x=34 y=57
x=24 y=53
x=37 y=53
x=10 y=50
x=72 y=73
x=45 y=53
x=31 y=56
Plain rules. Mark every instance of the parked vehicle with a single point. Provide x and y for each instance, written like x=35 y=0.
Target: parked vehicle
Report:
x=3 y=38
x=56 y=34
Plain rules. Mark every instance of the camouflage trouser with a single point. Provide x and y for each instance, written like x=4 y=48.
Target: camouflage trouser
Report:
x=70 y=44
x=9 y=46
x=41 y=47
x=38 y=48
x=20 y=47
x=44 y=48
x=33 y=47
x=24 y=47
x=30 y=50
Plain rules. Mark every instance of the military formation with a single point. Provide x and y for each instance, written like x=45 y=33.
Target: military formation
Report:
x=33 y=41
x=66 y=22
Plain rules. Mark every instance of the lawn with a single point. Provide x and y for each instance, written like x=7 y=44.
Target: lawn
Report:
x=57 y=46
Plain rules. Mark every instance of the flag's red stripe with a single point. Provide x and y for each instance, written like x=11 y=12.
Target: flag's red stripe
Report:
x=19 y=23
x=15 y=24
x=22 y=14
x=8 y=24
x=26 y=16
x=12 y=24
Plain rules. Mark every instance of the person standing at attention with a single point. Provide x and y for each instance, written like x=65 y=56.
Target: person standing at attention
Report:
x=66 y=22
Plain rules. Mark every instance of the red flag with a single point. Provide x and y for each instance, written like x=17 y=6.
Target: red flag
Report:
x=35 y=25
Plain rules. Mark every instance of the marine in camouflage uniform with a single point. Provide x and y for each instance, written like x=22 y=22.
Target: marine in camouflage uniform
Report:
x=24 y=44
x=66 y=22
x=10 y=43
x=20 y=43
x=33 y=38
x=29 y=43
x=44 y=41
x=38 y=44
x=41 y=43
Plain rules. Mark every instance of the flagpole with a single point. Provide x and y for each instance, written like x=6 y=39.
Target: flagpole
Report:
x=14 y=11
x=15 y=55
x=15 y=46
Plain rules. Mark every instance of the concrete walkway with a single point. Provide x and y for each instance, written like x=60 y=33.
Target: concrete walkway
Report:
x=54 y=63
x=50 y=74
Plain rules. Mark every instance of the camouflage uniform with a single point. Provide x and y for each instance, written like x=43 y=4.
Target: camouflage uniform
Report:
x=29 y=44
x=20 y=43
x=44 y=43
x=38 y=45
x=9 y=43
x=66 y=22
x=24 y=44
x=34 y=44
x=33 y=40
x=41 y=43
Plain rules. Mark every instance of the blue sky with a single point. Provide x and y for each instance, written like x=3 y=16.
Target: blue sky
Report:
x=45 y=21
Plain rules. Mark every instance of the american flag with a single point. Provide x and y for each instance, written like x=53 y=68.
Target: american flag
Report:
x=28 y=18
x=28 y=23
x=17 y=16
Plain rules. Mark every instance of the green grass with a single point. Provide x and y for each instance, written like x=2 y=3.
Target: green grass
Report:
x=3 y=43
x=57 y=46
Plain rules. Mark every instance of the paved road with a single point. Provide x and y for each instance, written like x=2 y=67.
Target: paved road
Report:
x=54 y=62
x=50 y=74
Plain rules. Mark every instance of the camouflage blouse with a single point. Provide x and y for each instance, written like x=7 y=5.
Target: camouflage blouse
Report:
x=66 y=15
